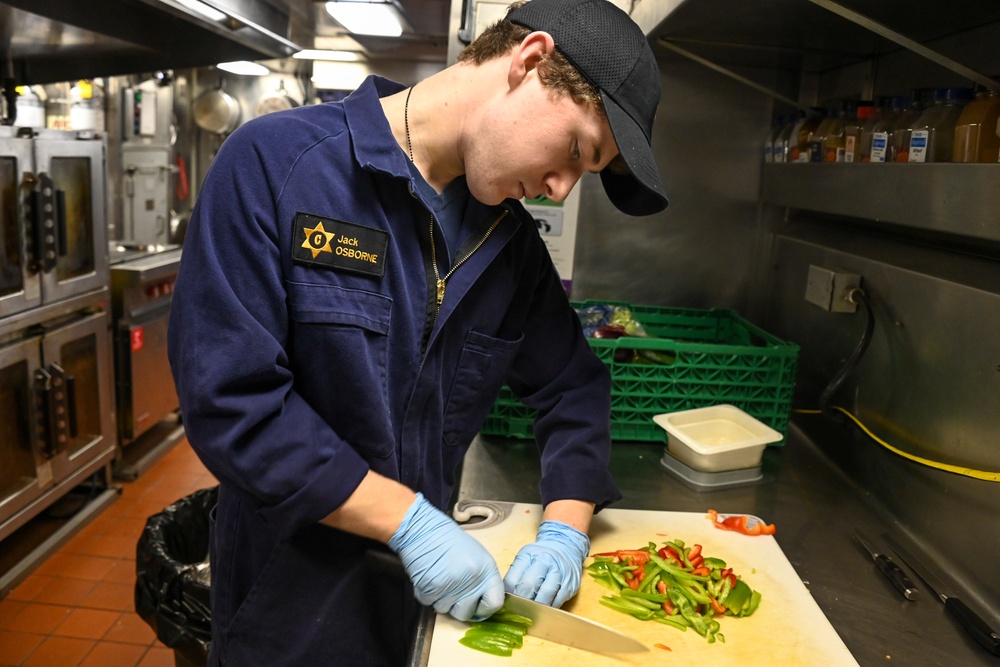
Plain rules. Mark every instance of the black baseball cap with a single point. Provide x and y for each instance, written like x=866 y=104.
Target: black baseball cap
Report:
x=610 y=50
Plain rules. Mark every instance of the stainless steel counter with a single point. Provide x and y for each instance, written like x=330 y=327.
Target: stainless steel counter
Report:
x=816 y=509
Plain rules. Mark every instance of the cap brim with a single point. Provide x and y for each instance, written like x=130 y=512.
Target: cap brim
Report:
x=640 y=192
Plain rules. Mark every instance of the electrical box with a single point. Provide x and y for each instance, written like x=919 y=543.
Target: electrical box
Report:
x=829 y=289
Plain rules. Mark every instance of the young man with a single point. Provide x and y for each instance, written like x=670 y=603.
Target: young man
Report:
x=358 y=282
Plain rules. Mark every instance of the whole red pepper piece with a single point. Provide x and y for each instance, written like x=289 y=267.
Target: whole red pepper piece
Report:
x=741 y=524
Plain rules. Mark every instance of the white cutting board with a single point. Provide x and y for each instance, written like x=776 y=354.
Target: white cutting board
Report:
x=788 y=628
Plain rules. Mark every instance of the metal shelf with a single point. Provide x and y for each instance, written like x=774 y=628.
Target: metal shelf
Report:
x=960 y=199
x=820 y=35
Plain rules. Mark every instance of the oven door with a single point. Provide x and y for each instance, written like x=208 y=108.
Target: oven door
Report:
x=23 y=474
x=73 y=212
x=78 y=374
x=20 y=287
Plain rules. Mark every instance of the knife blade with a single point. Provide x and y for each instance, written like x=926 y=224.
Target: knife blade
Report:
x=970 y=621
x=889 y=568
x=569 y=629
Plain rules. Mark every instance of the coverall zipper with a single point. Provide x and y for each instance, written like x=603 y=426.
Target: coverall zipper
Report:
x=441 y=283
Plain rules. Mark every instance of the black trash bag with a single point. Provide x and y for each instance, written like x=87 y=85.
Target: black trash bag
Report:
x=173 y=576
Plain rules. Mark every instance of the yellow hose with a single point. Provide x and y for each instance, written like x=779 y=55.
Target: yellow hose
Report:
x=958 y=470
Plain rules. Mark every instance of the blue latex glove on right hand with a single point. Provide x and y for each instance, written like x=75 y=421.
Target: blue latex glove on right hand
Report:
x=549 y=569
x=450 y=570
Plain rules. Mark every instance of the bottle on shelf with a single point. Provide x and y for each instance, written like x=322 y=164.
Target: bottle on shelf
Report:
x=772 y=136
x=933 y=135
x=975 y=140
x=30 y=107
x=780 y=148
x=880 y=111
x=880 y=147
x=834 y=144
x=899 y=138
x=831 y=126
x=852 y=131
x=798 y=141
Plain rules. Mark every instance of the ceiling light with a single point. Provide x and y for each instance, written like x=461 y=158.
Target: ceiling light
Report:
x=322 y=54
x=338 y=76
x=211 y=13
x=367 y=18
x=244 y=67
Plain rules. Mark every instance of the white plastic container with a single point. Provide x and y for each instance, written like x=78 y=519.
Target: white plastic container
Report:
x=716 y=438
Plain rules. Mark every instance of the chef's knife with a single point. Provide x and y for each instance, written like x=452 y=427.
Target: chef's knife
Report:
x=968 y=619
x=889 y=568
x=569 y=629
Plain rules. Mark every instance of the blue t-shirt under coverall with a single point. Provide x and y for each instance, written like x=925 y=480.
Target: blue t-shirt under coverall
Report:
x=308 y=348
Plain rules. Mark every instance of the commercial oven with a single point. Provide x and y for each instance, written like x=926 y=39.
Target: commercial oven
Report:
x=56 y=403
x=142 y=280
x=53 y=222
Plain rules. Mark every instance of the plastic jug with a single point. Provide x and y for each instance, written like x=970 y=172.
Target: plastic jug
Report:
x=880 y=146
x=932 y=136
x=852 y=131
x=899 y=137
x=798 y=142
x=974 y=139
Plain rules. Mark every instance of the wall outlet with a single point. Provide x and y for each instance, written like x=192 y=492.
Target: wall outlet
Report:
x=829 y=289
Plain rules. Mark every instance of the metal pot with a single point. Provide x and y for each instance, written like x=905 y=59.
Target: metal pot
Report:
x=216 y=111
x=278 y=100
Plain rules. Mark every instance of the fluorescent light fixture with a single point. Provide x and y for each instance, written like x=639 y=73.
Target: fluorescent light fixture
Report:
x=211 y=13
x=367 y=18
x=244 y=67
x=338 y=76
x=323 y=54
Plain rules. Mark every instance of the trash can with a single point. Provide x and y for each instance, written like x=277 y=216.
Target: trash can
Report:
x=173 y=577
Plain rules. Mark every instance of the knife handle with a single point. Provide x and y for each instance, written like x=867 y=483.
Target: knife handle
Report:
x=974 y=625
x=896 y=575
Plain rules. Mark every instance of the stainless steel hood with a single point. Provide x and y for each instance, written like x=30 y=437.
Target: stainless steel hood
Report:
x=46 y=41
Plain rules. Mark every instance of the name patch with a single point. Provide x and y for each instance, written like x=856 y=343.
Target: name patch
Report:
x=336 y=244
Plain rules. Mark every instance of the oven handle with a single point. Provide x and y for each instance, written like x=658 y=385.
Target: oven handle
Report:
x=46 y=213
x=44 y=414
x=55 y=399
x=61 y=236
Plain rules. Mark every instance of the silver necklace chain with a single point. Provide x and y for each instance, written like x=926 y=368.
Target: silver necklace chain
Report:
x=406 y=121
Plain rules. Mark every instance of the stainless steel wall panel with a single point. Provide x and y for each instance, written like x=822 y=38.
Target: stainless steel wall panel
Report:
x=929 y=383
x=702 y=250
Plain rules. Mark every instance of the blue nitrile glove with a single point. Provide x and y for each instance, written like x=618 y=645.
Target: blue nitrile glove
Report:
x=549 y=569
x=450 y=570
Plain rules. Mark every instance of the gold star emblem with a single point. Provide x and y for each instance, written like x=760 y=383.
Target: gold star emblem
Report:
x=318 y=240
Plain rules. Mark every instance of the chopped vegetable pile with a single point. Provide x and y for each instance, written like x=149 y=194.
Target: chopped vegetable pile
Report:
x=500 y=635
x=674 y=585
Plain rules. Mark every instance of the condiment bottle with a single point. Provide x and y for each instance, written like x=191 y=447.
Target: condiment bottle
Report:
x=831 y=124
x=834 y=143
x=798 y=142
x=30 y=108
x=899 y=137
x=975 y=140
x=780 y=149
x=772 y=136
x=852 y=131
x=880 y=149
x=933 y=135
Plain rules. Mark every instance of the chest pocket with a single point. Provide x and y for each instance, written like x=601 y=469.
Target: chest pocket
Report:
x=481 y=371
x=339 y=354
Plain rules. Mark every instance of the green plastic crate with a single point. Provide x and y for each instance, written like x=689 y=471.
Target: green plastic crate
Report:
x=718 y=357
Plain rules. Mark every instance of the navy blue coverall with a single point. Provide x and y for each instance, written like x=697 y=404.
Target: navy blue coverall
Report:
x=308 y=347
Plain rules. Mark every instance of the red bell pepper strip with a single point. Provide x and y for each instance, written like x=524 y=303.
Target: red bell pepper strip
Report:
x=741 y=524
x=719 y=609
x=671 y=554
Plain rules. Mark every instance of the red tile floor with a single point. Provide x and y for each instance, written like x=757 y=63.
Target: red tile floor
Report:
x=77 y=608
